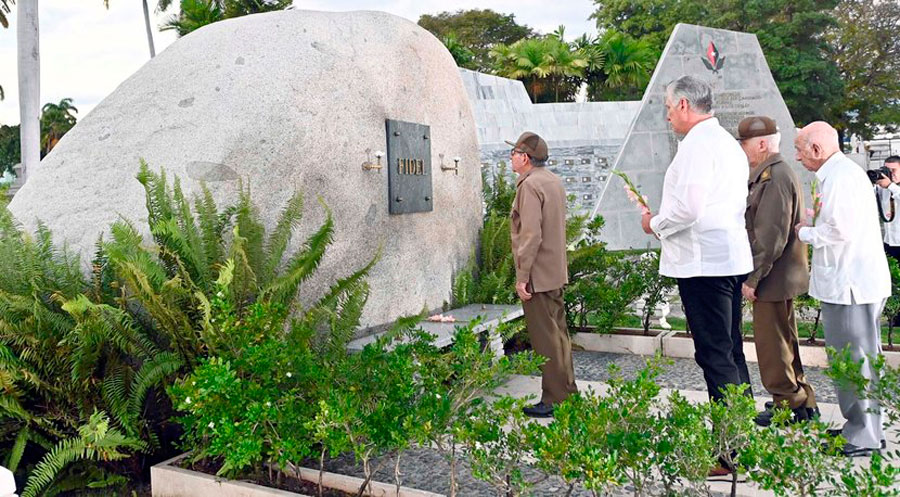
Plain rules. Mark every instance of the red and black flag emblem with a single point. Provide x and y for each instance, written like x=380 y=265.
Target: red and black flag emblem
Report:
x=713 y=60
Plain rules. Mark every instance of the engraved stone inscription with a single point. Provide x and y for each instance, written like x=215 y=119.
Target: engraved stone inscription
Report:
x=409 y=167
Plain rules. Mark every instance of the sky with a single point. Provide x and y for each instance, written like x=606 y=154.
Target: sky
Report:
x=87 y=50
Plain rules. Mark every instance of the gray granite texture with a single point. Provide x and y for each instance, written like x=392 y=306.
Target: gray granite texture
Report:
x=286 y=101
x=742 y=86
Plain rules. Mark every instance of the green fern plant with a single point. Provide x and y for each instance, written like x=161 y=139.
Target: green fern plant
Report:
x=72 y=346
x=96 y=441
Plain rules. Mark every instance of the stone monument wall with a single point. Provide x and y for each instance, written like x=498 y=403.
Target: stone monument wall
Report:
x=734 y=64
x=583 y=137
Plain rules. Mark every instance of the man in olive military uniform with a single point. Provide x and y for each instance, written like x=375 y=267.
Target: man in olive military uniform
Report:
x=780 y=270
x=538 y=232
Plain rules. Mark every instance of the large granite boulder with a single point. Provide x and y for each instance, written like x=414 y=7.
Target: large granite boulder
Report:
x=287 y=101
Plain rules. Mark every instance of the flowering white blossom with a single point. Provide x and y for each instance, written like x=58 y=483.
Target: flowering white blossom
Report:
x=268 y=404
x=211 y=425
x=289 y=375
x=187 y=400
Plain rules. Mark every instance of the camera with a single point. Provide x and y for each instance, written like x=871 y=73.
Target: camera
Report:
x=877 y=174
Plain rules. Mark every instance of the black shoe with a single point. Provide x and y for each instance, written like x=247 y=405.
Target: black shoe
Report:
x=765 y=418
x=813 y=413
x=835 y=432
x=539 y=410
x=850 y=450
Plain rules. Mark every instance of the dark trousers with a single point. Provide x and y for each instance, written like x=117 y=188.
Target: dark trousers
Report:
x=545 y=318
x=712 y=305
x=892 y=251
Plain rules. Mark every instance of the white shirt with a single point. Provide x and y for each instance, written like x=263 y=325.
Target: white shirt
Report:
x=892 y=227
x=701 y=216
x=848 y=265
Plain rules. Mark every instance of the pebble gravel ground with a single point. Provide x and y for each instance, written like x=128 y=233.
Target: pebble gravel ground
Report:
x=685 y=374
x=426 y=469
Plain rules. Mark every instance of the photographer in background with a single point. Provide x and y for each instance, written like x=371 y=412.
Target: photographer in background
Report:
x=888 y=193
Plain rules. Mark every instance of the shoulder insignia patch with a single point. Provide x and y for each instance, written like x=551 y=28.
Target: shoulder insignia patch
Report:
x=766 y=175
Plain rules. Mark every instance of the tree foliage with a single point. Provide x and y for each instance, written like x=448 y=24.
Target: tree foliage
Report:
x=10 y=149
x=625 y=68
x=56 y=120
x=791 y=34
x=545 y=65
x=867 y=53
x=195 y=14
x=461 y=54
x=477 y=30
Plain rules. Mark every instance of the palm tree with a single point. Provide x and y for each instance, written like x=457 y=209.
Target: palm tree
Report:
x=149 y=31
x=194 y=15
x=525 y=59
x=563 y=62
x=29 y=64
x=56 y=120
x=4 y=11
x=198 y=13
x=628 y=66
x=238 y=8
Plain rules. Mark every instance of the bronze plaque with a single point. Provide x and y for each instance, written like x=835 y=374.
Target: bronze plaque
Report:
x=409 y=167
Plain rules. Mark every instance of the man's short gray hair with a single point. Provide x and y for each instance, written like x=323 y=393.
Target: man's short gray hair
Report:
x=536 y=162
x=697 y=92
x=773 y=142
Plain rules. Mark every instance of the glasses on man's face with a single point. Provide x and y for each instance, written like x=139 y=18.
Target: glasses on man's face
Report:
x=514 y=152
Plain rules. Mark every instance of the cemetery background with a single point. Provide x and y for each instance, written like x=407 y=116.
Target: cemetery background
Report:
x=271 y=224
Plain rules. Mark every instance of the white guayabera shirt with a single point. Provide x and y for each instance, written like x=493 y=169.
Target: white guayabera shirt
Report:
x=848 y=265
x=701 y=217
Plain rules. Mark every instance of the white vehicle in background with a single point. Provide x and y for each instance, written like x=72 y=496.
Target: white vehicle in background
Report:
x=879 y=149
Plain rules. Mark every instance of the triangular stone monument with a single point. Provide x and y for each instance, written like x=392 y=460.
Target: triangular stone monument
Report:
x=734 y=64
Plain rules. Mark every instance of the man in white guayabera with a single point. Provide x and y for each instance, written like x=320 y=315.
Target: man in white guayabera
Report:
x=849 y=272
x=702 y=231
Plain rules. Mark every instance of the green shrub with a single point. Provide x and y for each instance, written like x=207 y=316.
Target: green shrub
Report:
x=892 y=304
x=602 y=283
x=490 y=277
x=72 y=348
x=497 y=443
x=656 y=286
x=793 y=458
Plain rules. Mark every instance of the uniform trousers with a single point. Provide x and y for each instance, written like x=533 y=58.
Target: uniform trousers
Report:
x=778 y=352
x=545 y=318
x=857 y=326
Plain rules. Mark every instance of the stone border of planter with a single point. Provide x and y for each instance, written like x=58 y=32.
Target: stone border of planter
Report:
x=622 y=343
x=169 y=480
x=683 y=347
x=670 y=345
